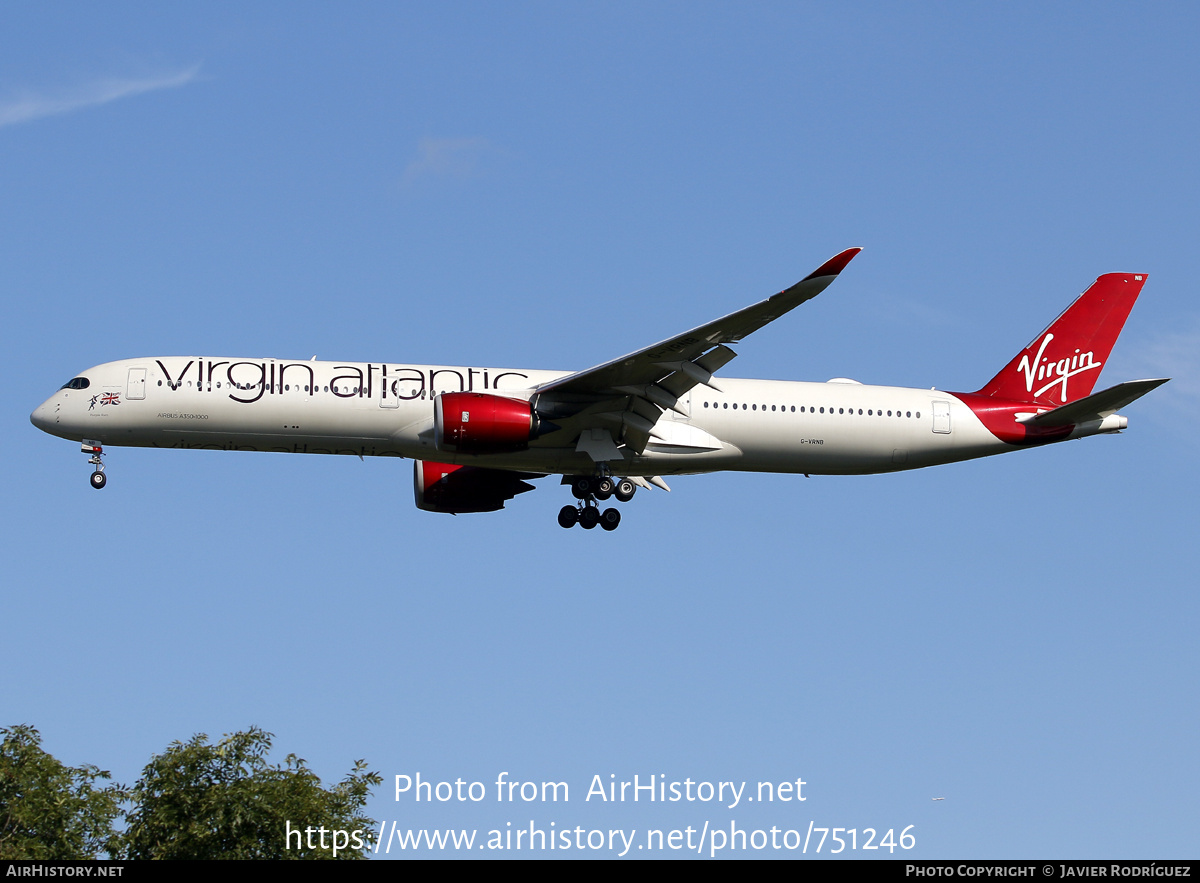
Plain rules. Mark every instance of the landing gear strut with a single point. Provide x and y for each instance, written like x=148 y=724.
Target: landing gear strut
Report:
x=98 y=478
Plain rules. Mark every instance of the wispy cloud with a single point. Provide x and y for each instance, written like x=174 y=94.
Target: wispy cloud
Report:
x=896 y=307
x=889 y=308
x=1176 y=355
x=27 y=106
x=454 y=158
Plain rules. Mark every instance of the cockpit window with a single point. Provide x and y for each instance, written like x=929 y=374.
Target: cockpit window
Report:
x=77 y=383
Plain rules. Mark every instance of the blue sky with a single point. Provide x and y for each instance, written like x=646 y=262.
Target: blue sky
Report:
x=544 y=186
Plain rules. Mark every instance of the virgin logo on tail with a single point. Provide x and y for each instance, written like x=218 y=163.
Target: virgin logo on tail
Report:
x=1083 y=336
x=1062 y=370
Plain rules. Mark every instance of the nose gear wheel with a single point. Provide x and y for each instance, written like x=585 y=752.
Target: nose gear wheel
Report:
x=98 y=479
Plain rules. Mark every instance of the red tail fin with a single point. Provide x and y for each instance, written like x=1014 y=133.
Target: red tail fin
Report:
x=1064 y=361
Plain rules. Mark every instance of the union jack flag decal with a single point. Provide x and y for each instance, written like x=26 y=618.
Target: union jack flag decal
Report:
x=110 y=398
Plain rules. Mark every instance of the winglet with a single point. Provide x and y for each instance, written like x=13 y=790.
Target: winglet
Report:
x=834 y=265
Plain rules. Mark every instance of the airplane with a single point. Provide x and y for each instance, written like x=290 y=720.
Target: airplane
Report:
x=478 y=435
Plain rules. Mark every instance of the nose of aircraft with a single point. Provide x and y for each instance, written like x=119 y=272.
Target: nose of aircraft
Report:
x=43 y=416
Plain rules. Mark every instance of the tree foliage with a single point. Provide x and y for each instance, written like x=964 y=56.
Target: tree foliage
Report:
x=202 y=801
x=194 y=801
x=49 y=810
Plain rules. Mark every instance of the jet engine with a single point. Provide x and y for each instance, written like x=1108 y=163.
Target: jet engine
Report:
x=477 y=423
x=441 y=487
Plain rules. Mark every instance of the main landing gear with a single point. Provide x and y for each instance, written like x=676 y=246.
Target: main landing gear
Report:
x=588 y=489
x=90 y=447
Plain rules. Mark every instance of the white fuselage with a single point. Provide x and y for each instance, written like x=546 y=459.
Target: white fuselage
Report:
x=377 y=409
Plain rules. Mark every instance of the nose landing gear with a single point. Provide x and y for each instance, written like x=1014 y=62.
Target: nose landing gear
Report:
x=94 y=448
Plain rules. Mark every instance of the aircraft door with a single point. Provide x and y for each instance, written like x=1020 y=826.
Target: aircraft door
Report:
x=684 y=404
x=135 y=387
x=389 y=393
x=941 y=417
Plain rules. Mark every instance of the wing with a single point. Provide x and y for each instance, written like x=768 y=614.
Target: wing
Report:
x=620 y=401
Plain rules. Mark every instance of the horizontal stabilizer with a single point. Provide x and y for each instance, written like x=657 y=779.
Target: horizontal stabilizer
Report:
x=1096 y=406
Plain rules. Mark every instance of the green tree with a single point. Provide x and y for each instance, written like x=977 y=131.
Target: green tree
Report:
x=204 y=801
x=49 y=810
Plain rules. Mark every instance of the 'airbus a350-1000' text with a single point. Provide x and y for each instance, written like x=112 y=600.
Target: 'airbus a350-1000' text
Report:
x=479 y=435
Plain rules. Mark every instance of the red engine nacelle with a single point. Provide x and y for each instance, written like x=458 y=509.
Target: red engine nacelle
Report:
x=476 y=423
x=442 y=487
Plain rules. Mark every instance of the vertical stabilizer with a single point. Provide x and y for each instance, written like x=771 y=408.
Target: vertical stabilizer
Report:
x=1064 y=361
